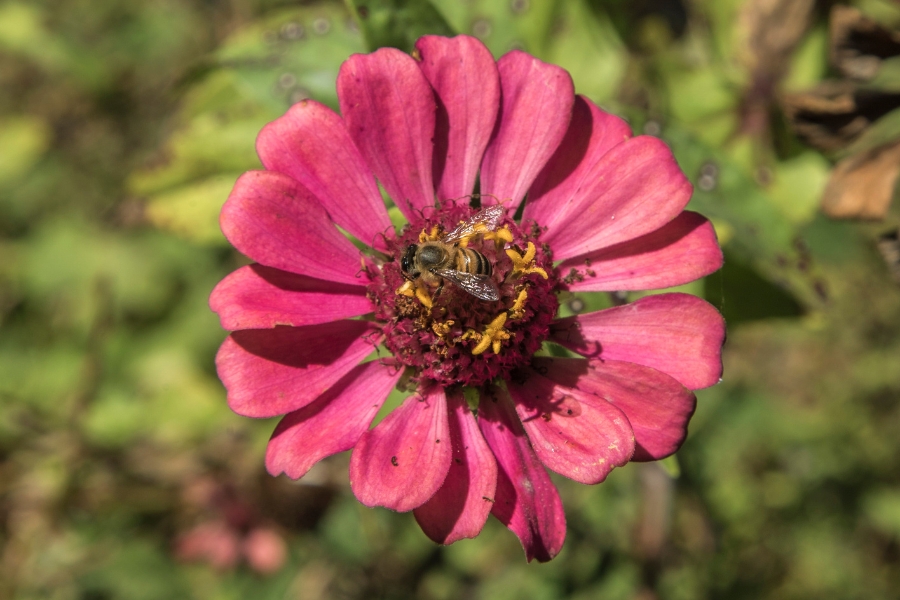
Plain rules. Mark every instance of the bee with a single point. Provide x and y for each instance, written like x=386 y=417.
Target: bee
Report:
x=432 y=262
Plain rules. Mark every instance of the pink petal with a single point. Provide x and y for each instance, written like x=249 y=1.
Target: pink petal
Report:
x=657 y=406
x=461 y=506
x=311 y=144
x=464 y=76
x=526 y=500
x=403 y=461
x=389 y=110
x=536 y=107
x=680 y=251
x=637 y=187
x=258 y=297
x=678 y=334
x=574 y=434
x=270 y=372
x=275 y=221
x=331 y=424
x=591 y=134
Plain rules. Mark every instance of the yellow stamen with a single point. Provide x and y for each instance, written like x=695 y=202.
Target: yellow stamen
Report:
x=529 y=253
x=523 y=265
x=493 y=336
x=406 y=289
x=501 y=237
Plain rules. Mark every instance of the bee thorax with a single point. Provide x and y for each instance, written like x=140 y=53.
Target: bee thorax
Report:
x=431 y=256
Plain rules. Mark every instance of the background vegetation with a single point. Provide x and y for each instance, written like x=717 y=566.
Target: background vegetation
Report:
x=123 y=475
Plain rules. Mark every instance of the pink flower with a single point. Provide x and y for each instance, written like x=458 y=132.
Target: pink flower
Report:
x=604 y=211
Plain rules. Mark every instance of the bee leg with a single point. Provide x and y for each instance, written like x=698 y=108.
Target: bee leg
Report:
x=440 y=287
x=421 y=293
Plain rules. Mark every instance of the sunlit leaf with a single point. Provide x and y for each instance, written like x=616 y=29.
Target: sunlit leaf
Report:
x=192 y=211
x=23 y=140
x=292 y=55
x=798 y=185
x=503 y=24
x=586 y=44
x=761 y=235
x=399 y=23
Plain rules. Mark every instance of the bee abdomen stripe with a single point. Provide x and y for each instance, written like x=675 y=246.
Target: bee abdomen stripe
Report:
x=473 y=262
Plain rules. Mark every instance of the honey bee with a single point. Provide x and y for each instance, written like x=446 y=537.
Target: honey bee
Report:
x=435 y=261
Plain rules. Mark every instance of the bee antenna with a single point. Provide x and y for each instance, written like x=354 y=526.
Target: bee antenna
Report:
x=383 y=234
x=419 y=211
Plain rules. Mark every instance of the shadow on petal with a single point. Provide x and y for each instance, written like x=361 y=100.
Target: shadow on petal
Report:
x=301 y=347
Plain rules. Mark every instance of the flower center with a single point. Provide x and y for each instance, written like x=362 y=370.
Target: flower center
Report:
x=467 y=310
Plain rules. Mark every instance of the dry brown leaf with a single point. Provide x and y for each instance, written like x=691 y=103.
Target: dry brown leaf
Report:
x=834 y=113
x=862 y=186
x=858 y=44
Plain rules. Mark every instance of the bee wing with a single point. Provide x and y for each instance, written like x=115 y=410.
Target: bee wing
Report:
x=480 y=286
x=490 y=217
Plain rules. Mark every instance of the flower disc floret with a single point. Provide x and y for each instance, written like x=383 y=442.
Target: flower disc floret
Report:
x=459 y=338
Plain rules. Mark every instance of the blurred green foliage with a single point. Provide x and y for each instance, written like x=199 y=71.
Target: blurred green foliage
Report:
x=122 y=128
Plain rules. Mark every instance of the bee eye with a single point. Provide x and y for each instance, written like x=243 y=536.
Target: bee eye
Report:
x=406 y=261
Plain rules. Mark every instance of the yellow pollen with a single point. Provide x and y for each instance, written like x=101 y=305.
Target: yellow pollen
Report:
x=493 y=336
x=523 y=265
x=442 y=329
x=516 y=311
x=430 y=237
x=415 y=290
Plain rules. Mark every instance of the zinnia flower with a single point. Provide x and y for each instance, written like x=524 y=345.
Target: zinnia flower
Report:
x=488 y=412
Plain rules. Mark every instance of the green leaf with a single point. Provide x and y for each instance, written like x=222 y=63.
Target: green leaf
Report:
x=882 y=507
x=22 y=31
x=808 y=63
x=23 y=140
x=398 y=23
x=888 y=76
x=798 y=185
x=698 y=94
x=292 y=55
x=209 y=144
x=742 y=295
x=503 y=24
x=77 y=272
x=671 y=466
x=256 y=76
x=759 y=235
x=192 y=211
x=153 y=406
x=586 y=44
